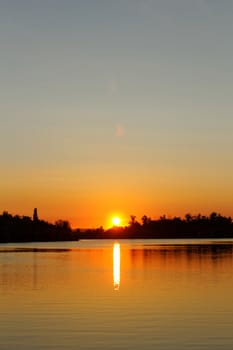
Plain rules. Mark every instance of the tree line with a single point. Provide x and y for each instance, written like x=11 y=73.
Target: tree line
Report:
x=191 y=226
x=15 y=228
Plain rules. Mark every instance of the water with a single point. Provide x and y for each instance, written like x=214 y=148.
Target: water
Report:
x=145 y=294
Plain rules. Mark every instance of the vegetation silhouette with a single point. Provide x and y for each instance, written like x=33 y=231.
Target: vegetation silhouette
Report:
x=213 y=226
x=25 y=229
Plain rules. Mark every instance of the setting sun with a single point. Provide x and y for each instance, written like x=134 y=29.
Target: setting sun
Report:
x=116 y=221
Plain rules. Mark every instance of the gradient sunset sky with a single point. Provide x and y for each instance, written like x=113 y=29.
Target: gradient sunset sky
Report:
x=116 y=107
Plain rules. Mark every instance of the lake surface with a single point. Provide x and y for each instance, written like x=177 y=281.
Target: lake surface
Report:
x=102 y=294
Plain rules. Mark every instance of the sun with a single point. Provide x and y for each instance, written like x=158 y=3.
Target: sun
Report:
x=116 y=221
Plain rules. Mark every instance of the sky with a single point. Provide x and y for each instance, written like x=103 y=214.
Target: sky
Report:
x=116 y=108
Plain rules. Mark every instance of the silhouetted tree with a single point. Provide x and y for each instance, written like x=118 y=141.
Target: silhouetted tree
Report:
x=188 y=217
x=35 y=215
x=146 y=220
x=213 y=217
x=24 y=229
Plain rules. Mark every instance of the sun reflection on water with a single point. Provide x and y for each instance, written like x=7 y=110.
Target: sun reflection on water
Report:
x=116 y=265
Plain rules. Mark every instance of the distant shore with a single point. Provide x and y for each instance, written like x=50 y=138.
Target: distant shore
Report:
x=25 y=229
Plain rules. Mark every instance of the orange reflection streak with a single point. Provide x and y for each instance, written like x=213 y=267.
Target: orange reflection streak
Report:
x=116 y=265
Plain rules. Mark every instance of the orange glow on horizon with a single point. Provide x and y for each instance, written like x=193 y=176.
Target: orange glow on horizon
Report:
x=114 y=218
x=68 y=201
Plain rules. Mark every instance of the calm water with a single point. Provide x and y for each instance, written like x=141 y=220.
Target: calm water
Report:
x=131 y=295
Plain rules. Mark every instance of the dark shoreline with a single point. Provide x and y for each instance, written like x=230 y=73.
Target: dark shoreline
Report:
x=19 y=229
